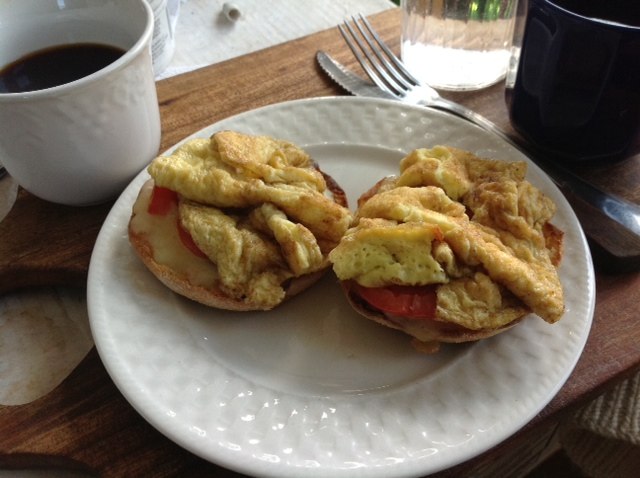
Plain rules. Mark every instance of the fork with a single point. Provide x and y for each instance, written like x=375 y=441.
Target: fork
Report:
x=612 y=222
x=388 y=72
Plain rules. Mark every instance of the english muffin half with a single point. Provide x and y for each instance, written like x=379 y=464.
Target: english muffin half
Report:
x=237 y=221
x=455 y=248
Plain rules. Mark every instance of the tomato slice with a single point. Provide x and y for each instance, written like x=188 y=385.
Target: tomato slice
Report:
x=162 y=200
x=188 y=241
x=415 y=302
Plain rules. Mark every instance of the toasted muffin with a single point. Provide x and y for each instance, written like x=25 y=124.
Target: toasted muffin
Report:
x=238 y=222
x=455 y=248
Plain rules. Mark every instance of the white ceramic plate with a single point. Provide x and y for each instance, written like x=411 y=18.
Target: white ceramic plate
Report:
x=311 y=389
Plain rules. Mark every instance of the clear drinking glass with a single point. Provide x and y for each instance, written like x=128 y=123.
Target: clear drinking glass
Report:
x=457 y=44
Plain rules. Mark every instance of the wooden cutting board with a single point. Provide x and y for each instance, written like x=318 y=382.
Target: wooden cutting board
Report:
x=47 y=244
x=86 y=423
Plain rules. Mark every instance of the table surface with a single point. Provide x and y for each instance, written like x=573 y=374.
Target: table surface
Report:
x=85 y=423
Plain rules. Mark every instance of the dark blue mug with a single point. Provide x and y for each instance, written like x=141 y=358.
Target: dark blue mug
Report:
x=577 y=88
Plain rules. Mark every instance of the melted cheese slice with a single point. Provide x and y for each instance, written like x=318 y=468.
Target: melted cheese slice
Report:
x=162 y=234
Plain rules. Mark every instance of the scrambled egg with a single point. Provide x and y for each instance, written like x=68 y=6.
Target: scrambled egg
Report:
x=474 y=226
x=257 y=207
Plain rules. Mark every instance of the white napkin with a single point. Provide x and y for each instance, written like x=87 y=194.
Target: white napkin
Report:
x=205 y=35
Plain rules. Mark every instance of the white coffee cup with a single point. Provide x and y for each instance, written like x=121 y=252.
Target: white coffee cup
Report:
x=82 y=142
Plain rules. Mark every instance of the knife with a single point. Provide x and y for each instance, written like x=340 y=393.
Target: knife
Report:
x=611 y=223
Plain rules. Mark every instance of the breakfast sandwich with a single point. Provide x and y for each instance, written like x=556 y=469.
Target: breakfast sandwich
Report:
x=455 y=248
x=238 y=222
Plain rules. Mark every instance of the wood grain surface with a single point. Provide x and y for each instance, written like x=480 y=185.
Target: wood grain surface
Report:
x=85 y=423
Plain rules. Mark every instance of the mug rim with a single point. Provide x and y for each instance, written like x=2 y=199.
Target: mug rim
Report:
x=143 y=39
x=599 y=21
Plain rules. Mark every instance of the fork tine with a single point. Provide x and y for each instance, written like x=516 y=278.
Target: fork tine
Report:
x=396 y=61
x=356 y=52
x=392 y=70
x=371 y=66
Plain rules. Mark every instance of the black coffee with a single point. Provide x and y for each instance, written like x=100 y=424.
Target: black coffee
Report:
x=55 y=66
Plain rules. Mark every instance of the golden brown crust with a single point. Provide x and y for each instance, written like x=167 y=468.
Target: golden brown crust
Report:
x=554 y=240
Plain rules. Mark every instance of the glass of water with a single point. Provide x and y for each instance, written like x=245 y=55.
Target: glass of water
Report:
x=457 y=44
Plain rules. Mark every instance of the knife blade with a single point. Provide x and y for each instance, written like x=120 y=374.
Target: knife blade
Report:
x=611 y=223
x=348 y=80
